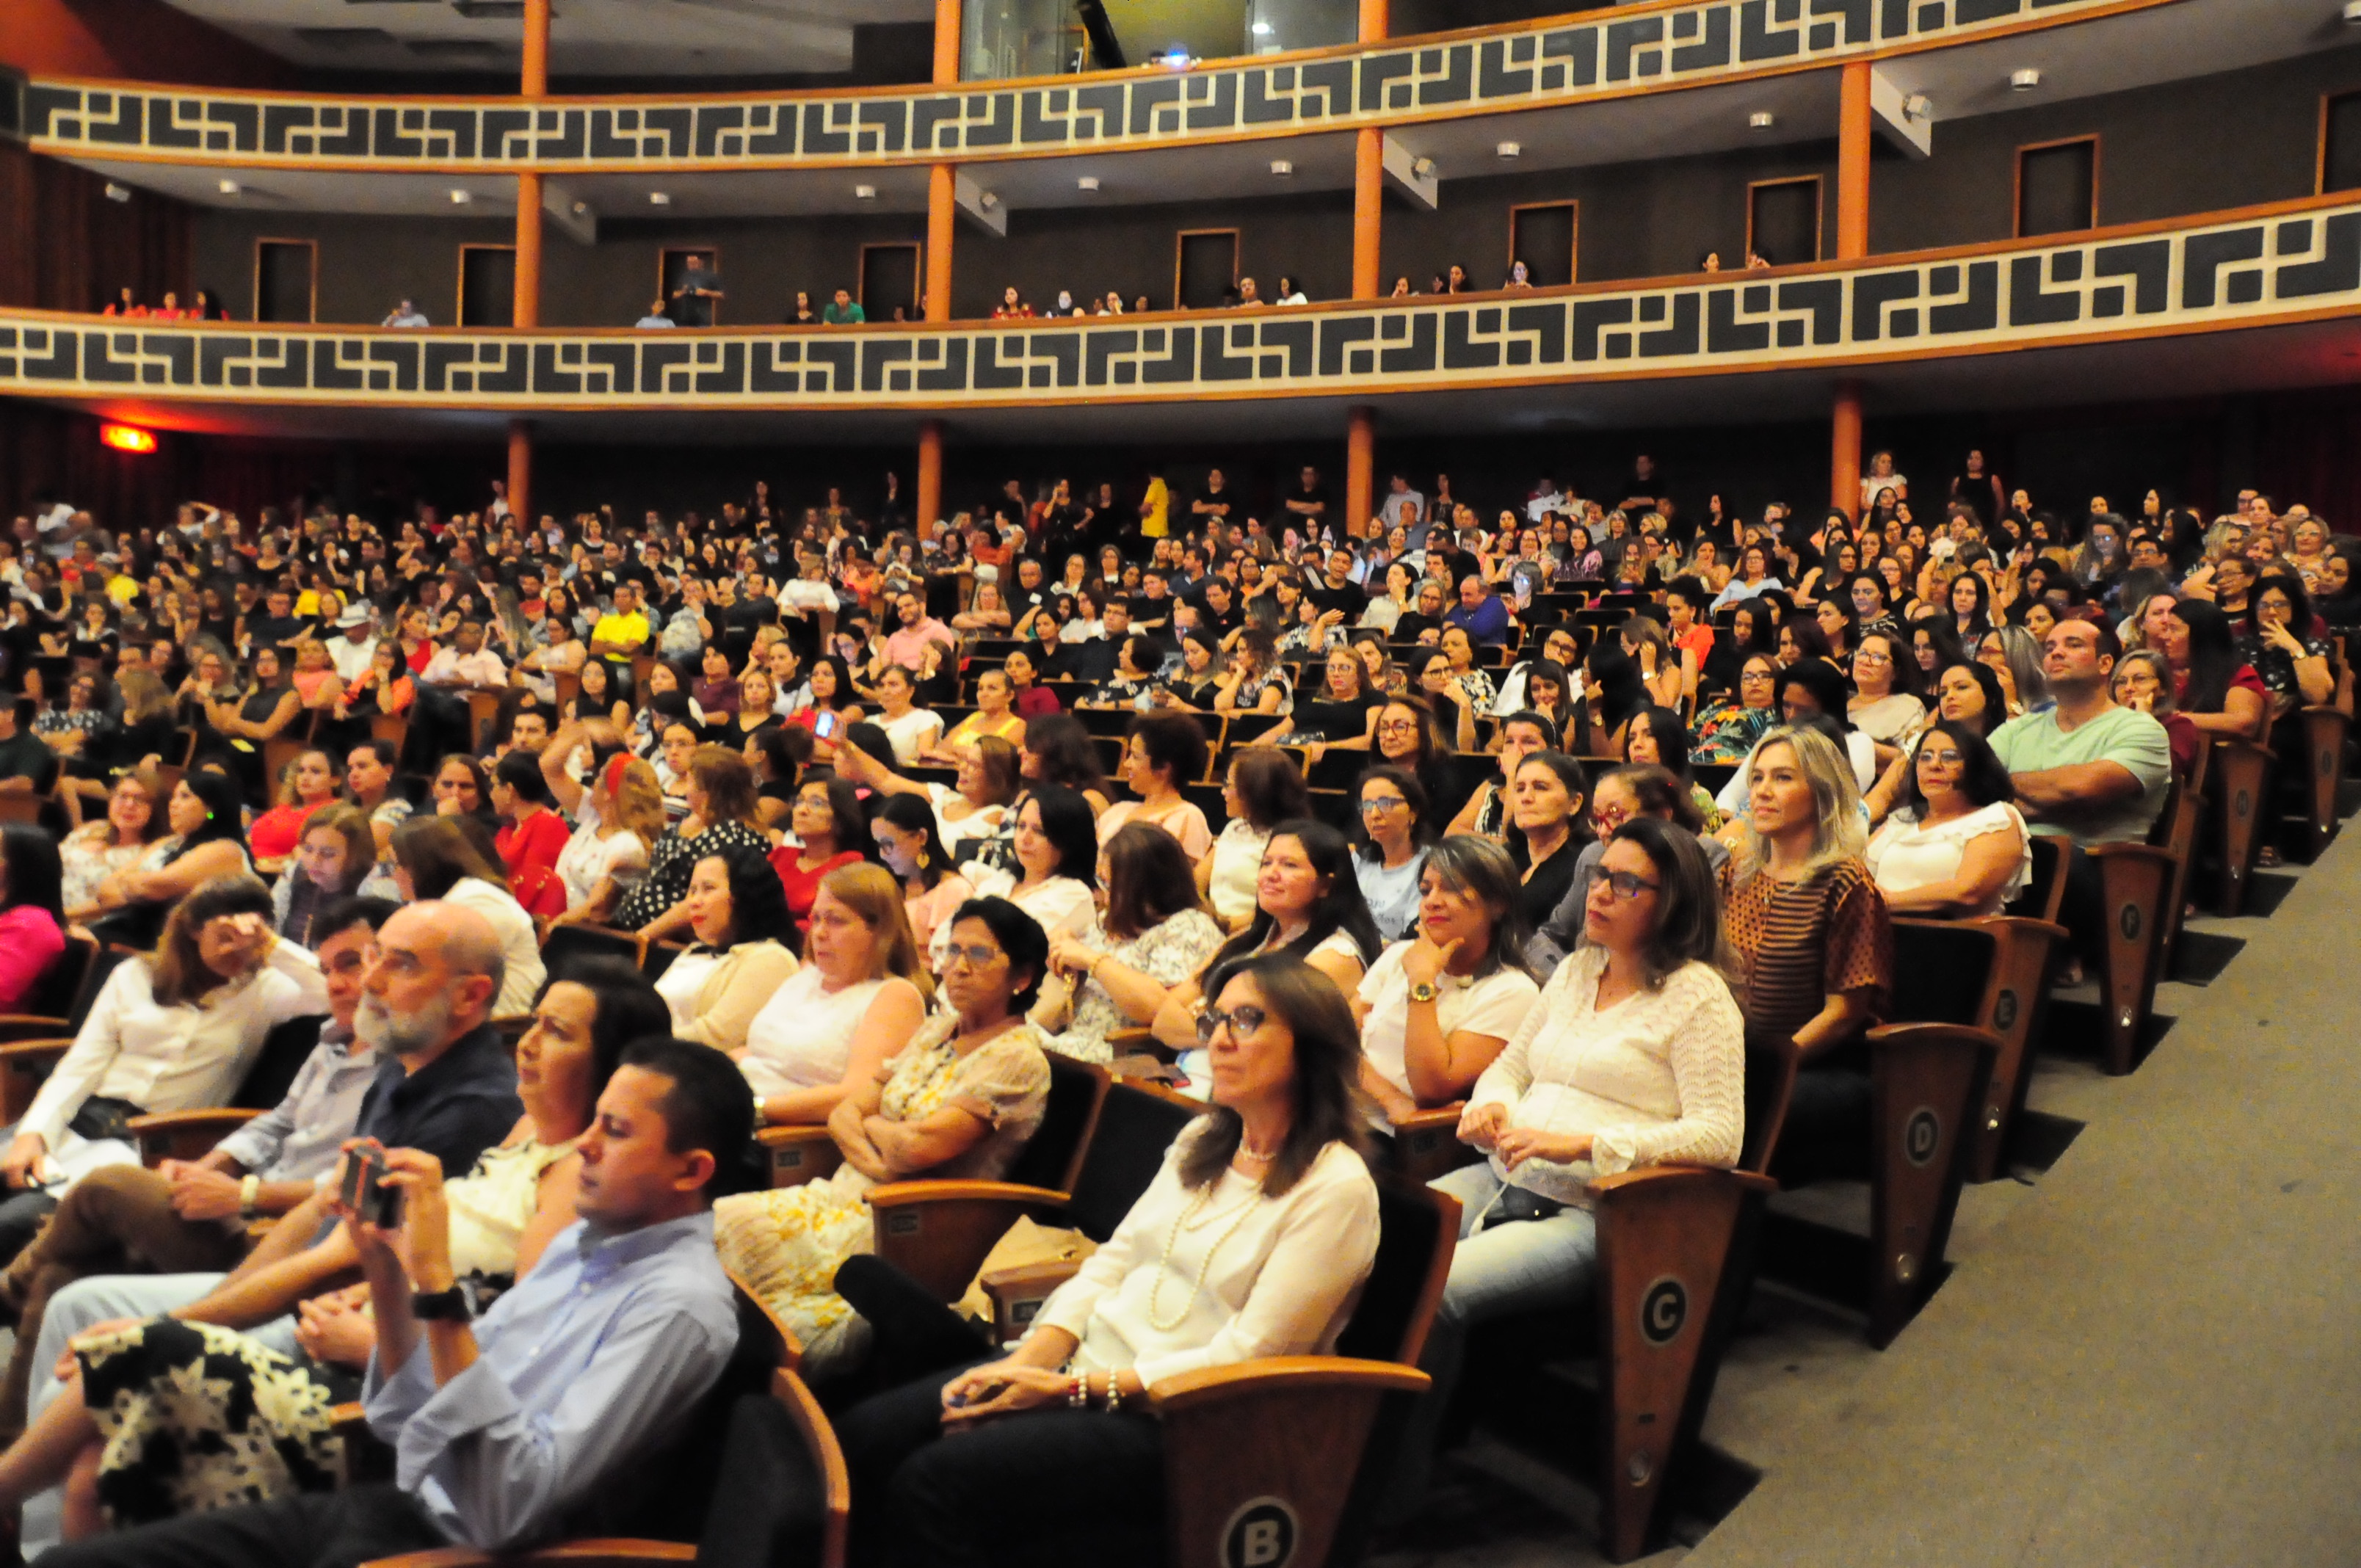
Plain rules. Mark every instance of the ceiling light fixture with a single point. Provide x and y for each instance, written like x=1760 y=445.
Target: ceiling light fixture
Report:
x=460 y=198
x=1760 y=120
x=864 y=192
x=1917 y=106
x=1281 y=167
x=118 y=193
x=659 y=198
x=581 y=208
x=1511 y=149
x=2023 y=81
x=1261 y=29
x=988 y=200
x=2353 y=10
x=1087 y=182
x=228 y=187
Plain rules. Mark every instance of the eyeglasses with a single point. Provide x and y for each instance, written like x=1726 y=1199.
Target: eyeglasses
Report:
x=1398 y=727
x=1609 y=817
x=1866 y=657
x=1627 y=885
x=975 y=958
x=1754 y=675
x=1948 y=756
x=1383 y=802
x=1241 y=1021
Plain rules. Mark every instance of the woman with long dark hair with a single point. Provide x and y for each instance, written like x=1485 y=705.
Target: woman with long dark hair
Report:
x=2213 y=683
x=207 y=841
x=32 y=911
x=435 y=858
x=1152 y=935
x=737 y=913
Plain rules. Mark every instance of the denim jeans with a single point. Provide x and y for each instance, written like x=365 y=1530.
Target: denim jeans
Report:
x=1520 y=1266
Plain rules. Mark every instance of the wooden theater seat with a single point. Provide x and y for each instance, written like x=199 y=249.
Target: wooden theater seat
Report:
x=2014 y=953
x=2242 y=776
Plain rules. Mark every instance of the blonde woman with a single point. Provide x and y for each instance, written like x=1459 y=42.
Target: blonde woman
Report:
x=618 y=817
x=96 y=851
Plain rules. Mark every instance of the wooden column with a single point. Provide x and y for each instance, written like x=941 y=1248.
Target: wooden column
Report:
x=1369 y=181
x=930 y=471
x=1374 y=21
x=1853 y=132
x=521 y=472
x=1360 y=469
x=942 y=216
x=1844 y=449
x=534 y=84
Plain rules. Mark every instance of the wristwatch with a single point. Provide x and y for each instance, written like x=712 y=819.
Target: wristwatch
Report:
x=249 y=1195
x=1423 y=991
x=441 y=1306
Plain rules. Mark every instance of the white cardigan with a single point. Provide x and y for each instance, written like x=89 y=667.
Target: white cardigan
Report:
x=1281 y=1280
x=173 y=1058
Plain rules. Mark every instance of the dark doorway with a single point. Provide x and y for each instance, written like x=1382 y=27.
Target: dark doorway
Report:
x=2057 y=187
x=1783 y=219
x=1204 y=268
x=889 y=277
x=285 y=280
x=487 y=285
x=1543 y=237
x=2340 y=143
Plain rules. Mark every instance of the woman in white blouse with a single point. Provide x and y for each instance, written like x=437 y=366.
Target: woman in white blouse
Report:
x=1883 y=706
x=1264 y=789
x=1634 y=1056
x=434 y=858
x=1956 y=846
x=172 y=1032
x=1435 y=1010
x=617 y=812
x=1253 y=1240
x=1057 y=853
x=738 y=910
x=859 y=996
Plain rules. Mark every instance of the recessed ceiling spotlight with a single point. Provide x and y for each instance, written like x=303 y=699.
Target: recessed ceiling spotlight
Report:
x=1087 y=182
x=228 y=187
x=1281 y=167
x=1511 y=149
x=581 y=208
x=1760 y=120
x=659 y=198
x=864 y=192
x=1261 y=29
x=118 y=193
x=460 y=198
x=2353 y=10
x=2023 y=81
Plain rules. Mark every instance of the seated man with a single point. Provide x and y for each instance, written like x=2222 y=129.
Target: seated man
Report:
x=1481 y=614
x=2086 y=770
x=511 y=1432
x=188 y=1216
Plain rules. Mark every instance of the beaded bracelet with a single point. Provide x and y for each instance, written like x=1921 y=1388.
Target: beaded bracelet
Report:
x=1078 y=1391
x=1114 y=1394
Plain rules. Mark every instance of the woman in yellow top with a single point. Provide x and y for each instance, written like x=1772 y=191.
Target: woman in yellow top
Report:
x=992 y=717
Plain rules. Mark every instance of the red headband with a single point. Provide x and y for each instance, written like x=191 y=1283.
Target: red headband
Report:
x=615 y=766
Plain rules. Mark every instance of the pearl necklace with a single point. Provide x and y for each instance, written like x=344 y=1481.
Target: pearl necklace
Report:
x=1164 y=1264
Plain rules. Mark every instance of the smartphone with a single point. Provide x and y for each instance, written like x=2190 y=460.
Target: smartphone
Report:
x=362 y=1187
x=824 y=727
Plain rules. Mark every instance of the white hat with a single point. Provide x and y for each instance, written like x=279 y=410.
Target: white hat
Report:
x=358 y=615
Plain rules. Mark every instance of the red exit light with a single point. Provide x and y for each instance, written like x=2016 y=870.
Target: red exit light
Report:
x=127 y=438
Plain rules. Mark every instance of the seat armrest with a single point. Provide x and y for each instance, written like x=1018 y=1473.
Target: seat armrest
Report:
x=1662 y=1177
x=24 y=1065
x=940 y=1232
x=1426 y=1143
x=185 y=1134
x=800 y=1154
x=31 y=1026
x=591 y=1554
x=1016 y=1294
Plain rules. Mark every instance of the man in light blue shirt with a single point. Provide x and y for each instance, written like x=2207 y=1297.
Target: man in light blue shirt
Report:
x=508 y=1432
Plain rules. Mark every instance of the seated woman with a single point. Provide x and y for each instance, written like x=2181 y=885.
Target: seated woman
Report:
x=1965 y=693
x=913 y=730
x=335 y=858
x=1657 y=738
x=1161 y=752
x=1397 y=825
x=1487 y=811
x=174 y=1031
x=1059 y=750
x=720 y=813
x=306 y=784
x=2142 y=679
x=1264 y=789
x=831 y=831
x=1727 y=730
x=32 y=912
x=1546 y=802
x=1619 y=794
x=910 y=846
x=739 y=914
x=96 y=851
x=434 y=856
x=246 y=722
x=186 y=1413
x=618 y=816
x=861 y=995
x=1633 y=1056
x=2211 y=682
x=1153 y=934
x=970 y=812
x=1435 y=1009
x=1257 y=681
x=957 y=1102
x=1279 y=1156
x=1057 y=851
x=204 y=815
x=534 y=835
x=1955 y=847
x=1307 y=903
x=1808 y=923
x=993 y=718
x=1885 y=705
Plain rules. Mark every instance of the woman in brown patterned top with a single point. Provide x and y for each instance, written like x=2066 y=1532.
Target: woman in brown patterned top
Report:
x=1804 y=915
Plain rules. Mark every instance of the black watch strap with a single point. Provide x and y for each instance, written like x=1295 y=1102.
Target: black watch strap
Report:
x=441 y=1306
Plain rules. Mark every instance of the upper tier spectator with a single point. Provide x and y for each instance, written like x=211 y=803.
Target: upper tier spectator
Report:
x=406 y=314
x=841 y=311
x=656 y=317
x=694 y=303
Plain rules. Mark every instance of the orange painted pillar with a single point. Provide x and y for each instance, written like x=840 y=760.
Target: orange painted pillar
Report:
x=534 y=84
x=521 y=472
x=1844 y=449
x=1369 y=181
x=941 y=212
x=1360 y=469
x=930 y=471
x=536 y=48
x=1853 y=131
x=1374 y=21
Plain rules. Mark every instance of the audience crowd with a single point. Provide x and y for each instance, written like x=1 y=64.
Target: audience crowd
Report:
x=1326 y=822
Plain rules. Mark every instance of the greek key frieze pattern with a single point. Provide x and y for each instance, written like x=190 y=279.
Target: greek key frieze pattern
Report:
x=1594 y=55
x=2286 y=265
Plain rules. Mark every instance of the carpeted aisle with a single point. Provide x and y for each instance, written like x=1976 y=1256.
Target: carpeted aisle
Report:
x=2153 y=1359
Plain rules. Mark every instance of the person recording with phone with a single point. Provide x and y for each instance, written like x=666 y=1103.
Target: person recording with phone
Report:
x=530 y=1422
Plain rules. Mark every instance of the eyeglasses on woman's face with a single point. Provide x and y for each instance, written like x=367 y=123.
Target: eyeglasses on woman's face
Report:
x=1398 y=727
x=1948 y=757
x=1378 y=805
x=1241 y=1021
x=1628 y=884
x=978 y=957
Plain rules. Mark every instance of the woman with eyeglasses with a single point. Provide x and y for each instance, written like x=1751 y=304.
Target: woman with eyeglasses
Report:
x=1885 y=705
x=1254 y=1239
x=1617 y=797
x=1396 y=829
x=1956 y=846
x=1633 y=1056
x=2143 y=680
x=1727 y=731
x=957 y=1100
